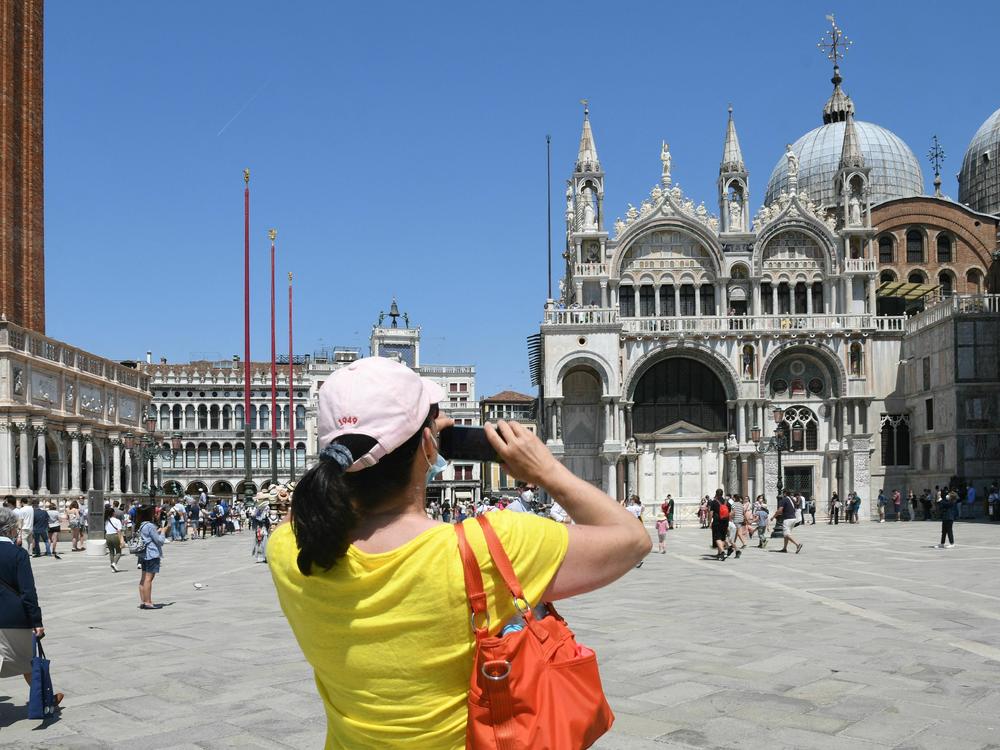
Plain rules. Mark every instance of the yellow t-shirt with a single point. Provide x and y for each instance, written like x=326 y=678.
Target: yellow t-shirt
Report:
x=388 y=635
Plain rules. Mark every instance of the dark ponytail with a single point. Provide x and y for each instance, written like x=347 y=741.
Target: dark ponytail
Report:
x=329 y=502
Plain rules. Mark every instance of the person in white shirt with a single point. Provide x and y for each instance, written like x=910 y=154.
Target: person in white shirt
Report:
x=558 y=513
x=113 y=536
x=178 y=530
x=25 y=515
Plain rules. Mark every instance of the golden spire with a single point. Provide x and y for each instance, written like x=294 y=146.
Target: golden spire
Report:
x=272 y=233
x=246 y=176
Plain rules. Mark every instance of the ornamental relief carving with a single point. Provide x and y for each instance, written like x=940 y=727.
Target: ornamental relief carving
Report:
x=44 y=389
x=128 y=409
x=18 y=381
x=91 y=399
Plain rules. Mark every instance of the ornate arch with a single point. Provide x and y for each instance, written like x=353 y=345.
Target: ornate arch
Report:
x=679 y=222
x=820 y=236
x=601 y=367
x=696 y=351
x=823 y=353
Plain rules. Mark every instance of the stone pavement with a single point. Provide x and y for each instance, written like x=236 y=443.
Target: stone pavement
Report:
x=868 y=639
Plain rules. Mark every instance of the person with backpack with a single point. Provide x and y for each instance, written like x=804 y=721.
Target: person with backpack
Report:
x=150 y=543
x=718 y=511
x=739 y=515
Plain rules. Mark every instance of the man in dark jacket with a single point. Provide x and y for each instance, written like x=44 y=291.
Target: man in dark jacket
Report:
x=39 y=529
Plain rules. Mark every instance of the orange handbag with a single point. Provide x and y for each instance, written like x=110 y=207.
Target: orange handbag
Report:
x=534 y=688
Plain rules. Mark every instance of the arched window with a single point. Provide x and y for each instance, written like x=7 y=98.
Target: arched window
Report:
x=817 y=293
x=857 y=361
x=679 y=389
x=202 y=417
x=179 y=459
x=626 y=301
x=885 y=249
x=687 y=299
x=176 y=417
x=284 y=414
x=227 y=417
x=707 y=299
x=239 y=456
x=300 y=417
x=213 y=417
x=265 y=418
x=801 y=424
x=887 y=277
x=667 y=306
x=202 y=456
x=917 y=277
x=287 y=452
x=914 y=246
x=784 y=298
x=740 y=272
x=227 y=456
x=800 y=298
x=238 y=417
x=300 y=455
x=944 y=248
x=749 y=362
x=189 y=456
x=265 y=455
x=895 y=435
x=647 y=301
x=974 y=281
x=947 y=282
x=189 y=418
x=253 y=417
x=164 y=417
x=253 y=456
x=215 y=456
x=278 y=421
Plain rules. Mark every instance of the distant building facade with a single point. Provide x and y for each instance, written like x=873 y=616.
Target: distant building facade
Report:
x=510 y=406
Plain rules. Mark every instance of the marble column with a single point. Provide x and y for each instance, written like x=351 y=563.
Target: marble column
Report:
x=774 y=298
x=741 y=414
x=611 y=477
x=559 y=420
x=579 y=292
x=43 y=465
x=635 y=297
x=6 y=459
x=697 y=301
x=74 y=464
x=723 y=299
x=24 y=475
x=656 y=300
x=809 y=299
x=116 y=466
x=88 y=458
x=756 y=309
x=128 y=468
x=604 y=294
x=677 y=299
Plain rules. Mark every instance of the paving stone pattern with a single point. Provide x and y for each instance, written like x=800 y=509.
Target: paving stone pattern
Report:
x=868 y=639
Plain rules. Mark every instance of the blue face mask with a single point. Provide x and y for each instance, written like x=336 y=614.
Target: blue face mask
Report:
x=439 y=465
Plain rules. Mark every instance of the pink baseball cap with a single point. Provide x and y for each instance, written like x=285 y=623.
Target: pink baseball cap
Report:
x=377 y=397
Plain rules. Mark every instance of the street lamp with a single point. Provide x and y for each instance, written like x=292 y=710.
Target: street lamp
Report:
x=779 y=443
x=147 y=448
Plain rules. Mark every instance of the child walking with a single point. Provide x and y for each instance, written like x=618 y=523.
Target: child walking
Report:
x=661 y=532
x=762 y=518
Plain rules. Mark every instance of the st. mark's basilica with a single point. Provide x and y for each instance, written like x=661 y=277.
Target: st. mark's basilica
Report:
x=849 y=301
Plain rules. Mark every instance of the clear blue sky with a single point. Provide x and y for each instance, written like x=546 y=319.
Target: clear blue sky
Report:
x=399 y=148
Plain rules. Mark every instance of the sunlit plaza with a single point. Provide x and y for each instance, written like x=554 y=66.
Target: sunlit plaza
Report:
x=870 y=638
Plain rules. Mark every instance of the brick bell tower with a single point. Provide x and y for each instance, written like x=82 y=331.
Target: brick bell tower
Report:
x=22 y=248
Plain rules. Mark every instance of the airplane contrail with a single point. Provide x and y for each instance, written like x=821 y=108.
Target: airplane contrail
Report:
x=245 y=105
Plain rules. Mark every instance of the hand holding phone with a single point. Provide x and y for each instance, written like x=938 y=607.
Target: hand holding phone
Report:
x=466 y=444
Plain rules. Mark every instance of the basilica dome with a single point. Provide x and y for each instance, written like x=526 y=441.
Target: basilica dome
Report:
x=895 y=171
x=979 y=180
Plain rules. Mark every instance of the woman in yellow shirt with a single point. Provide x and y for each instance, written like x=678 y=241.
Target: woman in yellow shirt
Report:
x=373 y=589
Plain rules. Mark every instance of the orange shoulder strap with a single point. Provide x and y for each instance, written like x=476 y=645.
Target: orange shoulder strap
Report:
x=473 y=576
x=500 y=559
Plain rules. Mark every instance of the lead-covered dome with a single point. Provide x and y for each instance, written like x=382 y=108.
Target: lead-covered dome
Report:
x=895 y=171
x=979 y=180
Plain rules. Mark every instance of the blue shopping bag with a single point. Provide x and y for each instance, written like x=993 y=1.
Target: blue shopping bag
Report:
x=41 y=699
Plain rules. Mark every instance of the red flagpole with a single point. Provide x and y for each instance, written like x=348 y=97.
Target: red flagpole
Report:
x=291 y=382
x=246 y=333
x=274 y=376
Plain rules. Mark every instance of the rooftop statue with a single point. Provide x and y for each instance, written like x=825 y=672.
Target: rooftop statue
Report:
x=793 y=161
x=665 y=159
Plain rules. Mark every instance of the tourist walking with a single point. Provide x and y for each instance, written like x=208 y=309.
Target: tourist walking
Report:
x=75 y=525
x=718 y=511
x=949 y=514
x=786 y=511
x=26 y=517
x=178 y=530
x=361 y=572
x=763 y=516
x=113 y=536
x=897 y=501
x=149 y=560
x=738 y=516
x=20 y=615
x=55 y=526
x=39 y=530
x=880 y=504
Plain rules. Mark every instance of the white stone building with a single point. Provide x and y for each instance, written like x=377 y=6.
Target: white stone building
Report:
x=677 y=333
x=64 y=416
